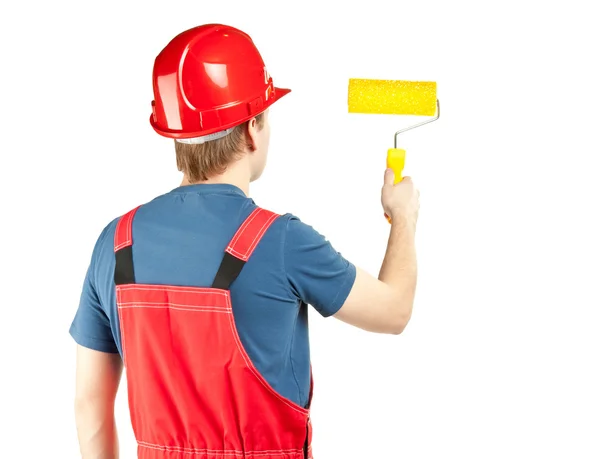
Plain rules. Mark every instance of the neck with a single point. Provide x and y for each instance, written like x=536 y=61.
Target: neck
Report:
x=237 y=174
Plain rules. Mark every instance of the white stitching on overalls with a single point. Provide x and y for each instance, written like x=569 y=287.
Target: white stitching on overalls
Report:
x=162 y=303
x=128 y=226
x=199 y=290
x=240 y=231
x=262 y=232
x=230 y=452
x=177 y=308
x=254 y=372
x=254 y=242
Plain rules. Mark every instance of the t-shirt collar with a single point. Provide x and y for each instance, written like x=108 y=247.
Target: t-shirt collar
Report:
x=210 y=188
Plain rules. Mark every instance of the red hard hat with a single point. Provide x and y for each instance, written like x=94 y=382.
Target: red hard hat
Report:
x=209 y=79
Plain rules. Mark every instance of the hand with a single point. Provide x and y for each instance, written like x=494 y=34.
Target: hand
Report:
x=400 y=201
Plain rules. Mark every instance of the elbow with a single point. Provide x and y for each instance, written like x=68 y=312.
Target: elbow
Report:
x=400 y=317
x=85 y=404
x=397 y=330
x=399 y=325
x=81 y=406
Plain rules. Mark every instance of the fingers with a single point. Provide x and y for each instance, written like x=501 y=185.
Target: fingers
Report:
x=388 y=178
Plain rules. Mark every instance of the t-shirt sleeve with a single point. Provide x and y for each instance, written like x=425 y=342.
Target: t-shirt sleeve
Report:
x=91 y=327
x=319 y=275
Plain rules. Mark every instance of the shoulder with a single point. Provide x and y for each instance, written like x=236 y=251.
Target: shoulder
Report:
x=288 y=227
x=105 y=242
x=103 y=252
x=286 y=232
x=296 y=231
x=303 y=244
x=106 y=237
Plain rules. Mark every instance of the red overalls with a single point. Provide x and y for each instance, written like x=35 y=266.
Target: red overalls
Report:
x=193 y=391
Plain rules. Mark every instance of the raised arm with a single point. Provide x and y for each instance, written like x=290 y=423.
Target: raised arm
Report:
x=384 y=304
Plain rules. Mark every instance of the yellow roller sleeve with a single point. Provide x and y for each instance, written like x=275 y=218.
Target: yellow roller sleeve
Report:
x=392 y=97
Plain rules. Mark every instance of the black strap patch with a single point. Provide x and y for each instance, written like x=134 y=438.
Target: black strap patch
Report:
x=228 y=271
x=124 y=266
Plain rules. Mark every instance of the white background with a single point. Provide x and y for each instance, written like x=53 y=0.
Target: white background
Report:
x=501 y=358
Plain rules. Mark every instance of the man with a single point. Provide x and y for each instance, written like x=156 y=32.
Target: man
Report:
x=202 y=295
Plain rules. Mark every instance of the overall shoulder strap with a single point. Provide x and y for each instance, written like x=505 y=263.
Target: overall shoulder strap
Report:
x=242 y=245
x=123 y=249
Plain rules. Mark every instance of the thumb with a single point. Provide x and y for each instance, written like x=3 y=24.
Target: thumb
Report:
x=389 y=176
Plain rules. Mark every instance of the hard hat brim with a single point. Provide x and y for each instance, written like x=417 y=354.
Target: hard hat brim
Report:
x=278 y=93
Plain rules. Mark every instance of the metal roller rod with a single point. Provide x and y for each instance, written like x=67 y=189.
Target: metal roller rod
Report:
x=416 y=125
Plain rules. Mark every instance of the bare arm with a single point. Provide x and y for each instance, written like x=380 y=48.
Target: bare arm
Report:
x=98 y=377
x=384 y=305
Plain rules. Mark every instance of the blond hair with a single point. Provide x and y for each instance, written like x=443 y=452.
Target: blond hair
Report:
x=199 y=162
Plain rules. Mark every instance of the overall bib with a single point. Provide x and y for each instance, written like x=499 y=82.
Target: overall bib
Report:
x=193 y=392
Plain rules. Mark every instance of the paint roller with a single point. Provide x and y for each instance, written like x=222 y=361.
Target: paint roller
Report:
x=394 y=97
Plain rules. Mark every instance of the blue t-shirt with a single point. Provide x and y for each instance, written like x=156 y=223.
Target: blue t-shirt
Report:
x=180 y=238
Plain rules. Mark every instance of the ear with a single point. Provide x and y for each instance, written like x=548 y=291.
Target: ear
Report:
x=252 y=134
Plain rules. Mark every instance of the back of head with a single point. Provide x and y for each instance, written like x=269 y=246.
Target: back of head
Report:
x=208 y=82
x=201 y=161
